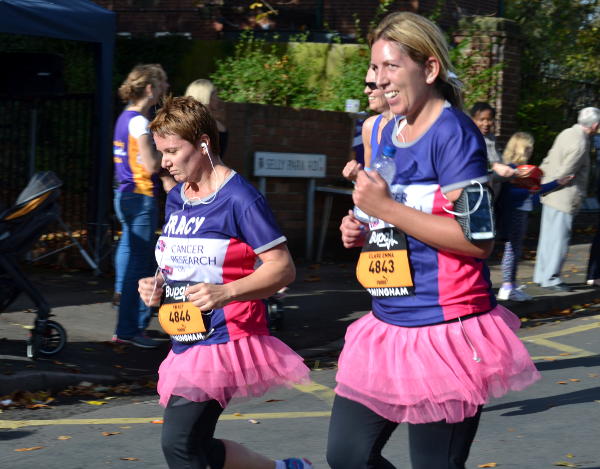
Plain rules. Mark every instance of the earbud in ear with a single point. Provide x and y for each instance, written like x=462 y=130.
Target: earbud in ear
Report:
x=204 y=145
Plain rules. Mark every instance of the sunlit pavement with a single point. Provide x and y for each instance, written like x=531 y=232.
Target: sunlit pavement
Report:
x=553 y=423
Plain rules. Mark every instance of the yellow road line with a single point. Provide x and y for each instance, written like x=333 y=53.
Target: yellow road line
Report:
x=13 y=424
x=571 y=330
x=574 y=352
x=321 y=392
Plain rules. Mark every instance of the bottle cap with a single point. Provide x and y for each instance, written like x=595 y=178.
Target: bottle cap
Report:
x=389 y=150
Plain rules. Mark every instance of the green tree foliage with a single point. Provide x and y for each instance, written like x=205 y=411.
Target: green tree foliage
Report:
x=480 y=83
x=561 y=37
x=349 y=82
x=560 y=64
x=259 y=72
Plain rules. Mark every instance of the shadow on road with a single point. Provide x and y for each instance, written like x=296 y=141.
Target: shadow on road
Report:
x=532 y=406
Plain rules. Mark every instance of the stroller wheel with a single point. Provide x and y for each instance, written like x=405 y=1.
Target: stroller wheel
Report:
x=47 y=338
x=275 y=312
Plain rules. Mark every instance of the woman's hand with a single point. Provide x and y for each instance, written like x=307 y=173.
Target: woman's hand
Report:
x=151 y=290
x=353 y=231
x=505 y=171
x=563 y=181
x=351 y=170
x=207 y=296
x=371 y=193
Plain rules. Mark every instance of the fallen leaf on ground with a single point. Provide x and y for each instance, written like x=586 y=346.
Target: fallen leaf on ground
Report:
x=237 y=414
x=570 y=455
x=158 y=421
x=312 y=278
x=64 y=437
x=575 y=380
x=95 y=402
x=253 y=421
x=564 y=354
x=274 y=400
x=488 y=464
x=561 y=382
x=110 y=433
x=33 y=448
x=564 y=464
x=129 y=459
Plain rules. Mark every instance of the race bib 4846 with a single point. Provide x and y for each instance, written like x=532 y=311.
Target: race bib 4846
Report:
x=181 y=319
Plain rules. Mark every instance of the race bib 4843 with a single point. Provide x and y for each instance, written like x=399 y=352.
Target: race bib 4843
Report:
x=383 y=266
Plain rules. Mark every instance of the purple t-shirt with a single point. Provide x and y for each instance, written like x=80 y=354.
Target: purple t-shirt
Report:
x=218 y=242
x=130 y=174
x=449 y=155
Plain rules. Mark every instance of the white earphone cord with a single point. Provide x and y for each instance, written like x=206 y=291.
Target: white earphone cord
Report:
x=474 y=209
x=205 y=202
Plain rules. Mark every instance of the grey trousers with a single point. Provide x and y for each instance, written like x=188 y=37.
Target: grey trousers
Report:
x=553 y=246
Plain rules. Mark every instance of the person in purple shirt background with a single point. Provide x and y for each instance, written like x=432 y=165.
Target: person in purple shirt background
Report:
x=136 y=167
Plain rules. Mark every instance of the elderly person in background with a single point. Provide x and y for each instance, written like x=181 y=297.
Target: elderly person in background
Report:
x=569 y=155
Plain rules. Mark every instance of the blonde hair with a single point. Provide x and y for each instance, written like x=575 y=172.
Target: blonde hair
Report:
x=189 y=119
x=420 y=39
x=201 y=90
x=516 y=148
x=141 y=76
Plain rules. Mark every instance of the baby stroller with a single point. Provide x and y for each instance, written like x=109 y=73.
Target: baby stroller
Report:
x=20 y=228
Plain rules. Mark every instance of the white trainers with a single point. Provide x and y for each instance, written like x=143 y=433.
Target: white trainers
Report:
x=513 y=294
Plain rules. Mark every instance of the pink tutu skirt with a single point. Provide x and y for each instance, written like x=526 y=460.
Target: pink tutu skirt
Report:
x=245 y=367
x=433 y=373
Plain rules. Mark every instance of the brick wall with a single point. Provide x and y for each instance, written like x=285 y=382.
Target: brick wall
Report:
x=498 y=41
x=145 y=17
x=256 y=127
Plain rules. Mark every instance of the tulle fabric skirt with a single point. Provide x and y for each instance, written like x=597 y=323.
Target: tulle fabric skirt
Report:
x=433 y=373
x=246 y=367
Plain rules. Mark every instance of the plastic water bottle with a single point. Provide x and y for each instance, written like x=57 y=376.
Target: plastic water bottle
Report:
x=385 y=165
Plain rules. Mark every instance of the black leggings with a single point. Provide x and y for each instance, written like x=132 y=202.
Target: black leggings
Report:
x=357 y=435
x=187 y=434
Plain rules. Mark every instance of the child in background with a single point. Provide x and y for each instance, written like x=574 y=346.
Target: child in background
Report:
x=483 y=115
x=516 y=203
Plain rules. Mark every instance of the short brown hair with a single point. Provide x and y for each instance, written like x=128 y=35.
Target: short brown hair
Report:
x=188 y=118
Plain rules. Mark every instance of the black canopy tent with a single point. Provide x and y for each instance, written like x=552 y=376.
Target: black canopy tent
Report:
x=77 y=20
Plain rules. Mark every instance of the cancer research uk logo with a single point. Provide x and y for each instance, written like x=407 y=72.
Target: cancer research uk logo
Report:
x=161 y=245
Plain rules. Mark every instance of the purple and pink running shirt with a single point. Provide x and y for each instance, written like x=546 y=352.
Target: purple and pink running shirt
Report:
x=218 y=242
x=130 y=175
x=448 y=156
